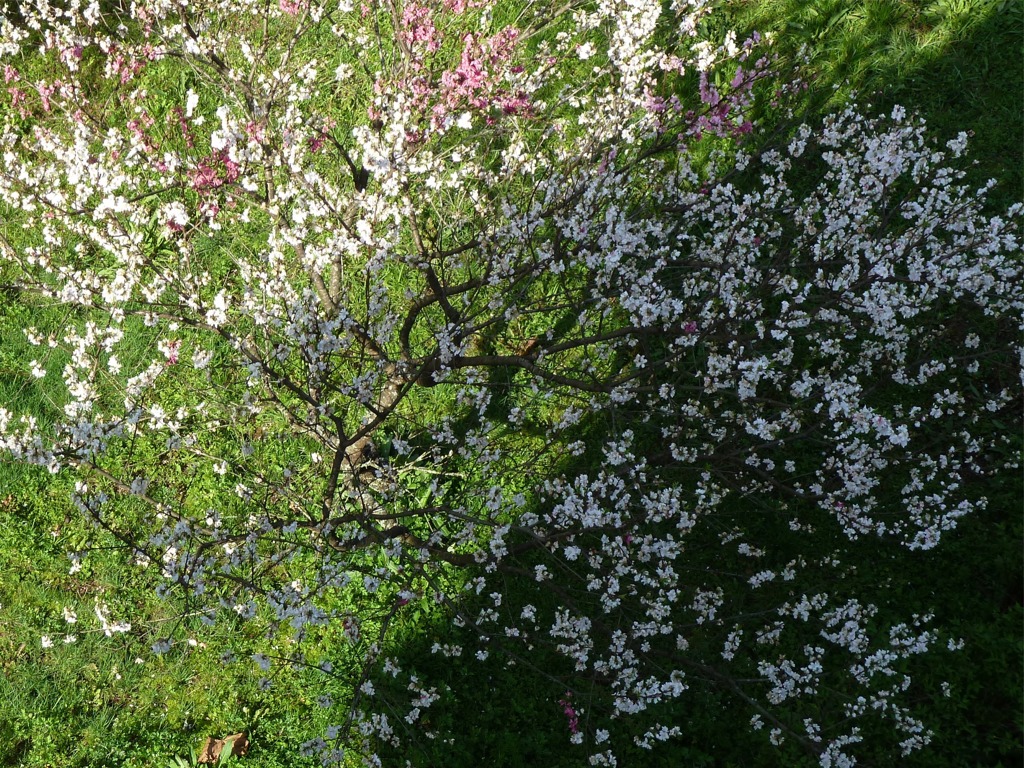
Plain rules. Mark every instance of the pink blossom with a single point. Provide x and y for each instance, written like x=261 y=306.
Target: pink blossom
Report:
x=255 y=131
x=172 y=351
x=215 y=171
x=417 y=27
x=513 y=105
x=570 y=713
x=205 y=177
x=45 y=92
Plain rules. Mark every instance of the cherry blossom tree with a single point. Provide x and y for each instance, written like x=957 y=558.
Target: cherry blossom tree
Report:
x=384 y=303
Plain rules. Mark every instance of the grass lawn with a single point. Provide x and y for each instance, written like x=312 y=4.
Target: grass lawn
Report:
x=108 y=701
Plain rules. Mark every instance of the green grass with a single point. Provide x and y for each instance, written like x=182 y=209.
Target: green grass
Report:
x=956 y=62
x=958 y=65
x=89 y=703
x=109 y=701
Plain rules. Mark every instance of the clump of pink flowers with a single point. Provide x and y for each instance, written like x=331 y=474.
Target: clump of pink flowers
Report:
x=215 y=171
x=570 y=713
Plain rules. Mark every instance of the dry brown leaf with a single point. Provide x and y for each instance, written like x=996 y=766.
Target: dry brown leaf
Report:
x=212 y=748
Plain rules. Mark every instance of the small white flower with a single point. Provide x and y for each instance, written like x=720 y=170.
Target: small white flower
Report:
x=201 y=358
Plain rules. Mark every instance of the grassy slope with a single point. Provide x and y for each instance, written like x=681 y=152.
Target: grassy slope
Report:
x=956 y=62
x=959 y=64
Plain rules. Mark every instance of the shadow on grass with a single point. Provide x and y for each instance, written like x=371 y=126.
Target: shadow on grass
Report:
x=956 y=62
